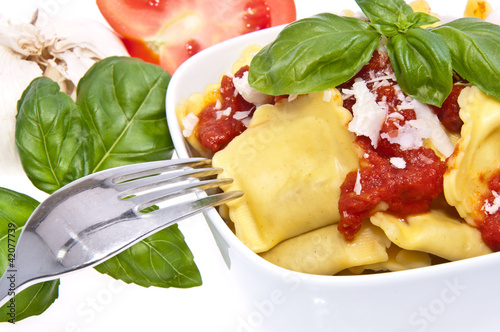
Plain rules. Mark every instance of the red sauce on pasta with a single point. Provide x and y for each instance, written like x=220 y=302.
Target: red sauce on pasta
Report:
x=490 y=210
x=404 y=191
x=403 y=182
x=217 y=128
x=448 y=112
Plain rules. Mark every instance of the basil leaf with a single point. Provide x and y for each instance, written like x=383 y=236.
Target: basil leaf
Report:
x=422 y=65
x=386 y=12
x=162 y=260
x=474 y=46
x=54 y=145
x=393 y=17
x=124 y=100
x=15 y=209
x=119 y=118
x=419 y=19
x=313 y=54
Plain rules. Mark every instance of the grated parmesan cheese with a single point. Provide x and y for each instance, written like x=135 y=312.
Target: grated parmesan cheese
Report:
x=241 y=115
x=221 y=113
x=357 y=185
x=398 y=162
x=248 y=93
x=492 y=208
x=218 y=104
x=409 y=137
x=381 y=80
x=327 y=96
x=396 y=115
x=427 y=125
x=368 y=115
x=425 y=116
x=246 y=121
x=189 y=123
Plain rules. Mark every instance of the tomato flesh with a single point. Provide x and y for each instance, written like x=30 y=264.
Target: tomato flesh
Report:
x=140 y=50
x=175 y=30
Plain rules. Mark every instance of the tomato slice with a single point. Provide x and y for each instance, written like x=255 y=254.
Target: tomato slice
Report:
x=170 y=31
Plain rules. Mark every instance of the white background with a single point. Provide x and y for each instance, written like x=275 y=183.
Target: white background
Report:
x=89 y=301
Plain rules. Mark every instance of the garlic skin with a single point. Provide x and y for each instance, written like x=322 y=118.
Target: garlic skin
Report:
x=61 y=50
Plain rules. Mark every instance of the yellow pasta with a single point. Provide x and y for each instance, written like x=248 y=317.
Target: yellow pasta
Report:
x=433 y=232
x=478 y=8
x=476 y=154
x=398 y=260
x=325 y=251
x=291 y=183
x=295 y=154
x=195 y=103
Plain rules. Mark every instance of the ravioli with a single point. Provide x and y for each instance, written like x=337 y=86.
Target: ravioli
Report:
x=398 y=260
x=476 y=153
x=434 y=232
x=290 y=164
x=325 y=251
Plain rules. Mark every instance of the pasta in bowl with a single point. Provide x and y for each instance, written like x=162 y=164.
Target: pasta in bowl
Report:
x=286 y=270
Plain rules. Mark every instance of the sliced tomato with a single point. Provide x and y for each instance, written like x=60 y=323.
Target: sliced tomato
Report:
x=174 y=30
x=137 y=48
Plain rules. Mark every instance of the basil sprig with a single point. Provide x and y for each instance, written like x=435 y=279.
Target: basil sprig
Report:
x=326 y=50
x=118 y=119
x=421 y=65
x=313 y=54
x=474 y=46
x=390 y=17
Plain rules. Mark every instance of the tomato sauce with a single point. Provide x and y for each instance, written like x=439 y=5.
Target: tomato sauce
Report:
x=405 y=191
x=380 y=184
x=489 y=225
x=215 y=130
x=448 y=113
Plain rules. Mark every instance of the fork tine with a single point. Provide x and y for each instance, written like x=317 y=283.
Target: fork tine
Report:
x=189 y=208
x=150 y=222
x=128 y=172
x=167 y=193
x=217 y=199
x=136 y=186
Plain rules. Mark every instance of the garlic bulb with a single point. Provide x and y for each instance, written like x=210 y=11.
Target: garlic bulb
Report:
x=62 y=50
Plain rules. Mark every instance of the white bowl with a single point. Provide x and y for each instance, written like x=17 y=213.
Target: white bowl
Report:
x=458 y=296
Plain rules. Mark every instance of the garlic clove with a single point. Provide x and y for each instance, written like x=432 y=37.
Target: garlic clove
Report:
x=85 y=34
x=15 y=76
x=60 y=49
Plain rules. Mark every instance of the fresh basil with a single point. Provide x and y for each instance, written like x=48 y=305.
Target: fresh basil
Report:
x=53 y=140
x=326 y=50
x=119 y=118
x=419 y=19
x=15 y=209
x=163 y=260
x=388 y=16
x=123 y=100
x=313 y=54
x=421 y=65
x=474 y=46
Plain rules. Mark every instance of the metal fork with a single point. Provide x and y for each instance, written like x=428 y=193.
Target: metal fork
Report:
x=102 y=214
